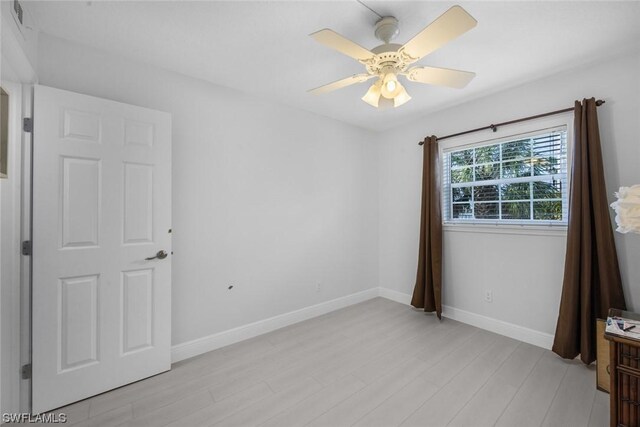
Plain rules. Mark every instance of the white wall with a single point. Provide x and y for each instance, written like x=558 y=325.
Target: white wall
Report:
x=19 y=44
x=266 y=198
x=523 y=270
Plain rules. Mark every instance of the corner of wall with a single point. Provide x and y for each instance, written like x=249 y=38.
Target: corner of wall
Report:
x=530 y=336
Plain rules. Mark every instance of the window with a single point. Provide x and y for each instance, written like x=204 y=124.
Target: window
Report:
x=519 y=180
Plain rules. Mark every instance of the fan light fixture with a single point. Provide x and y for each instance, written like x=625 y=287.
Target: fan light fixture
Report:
x=389 y=89
x=372 y=97
x=390 y=86
x=389 y=60
x=401 y=98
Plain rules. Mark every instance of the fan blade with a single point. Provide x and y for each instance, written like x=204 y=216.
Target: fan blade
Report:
x=440 y=76
x=451 y=24
x=342 y=44
x=339 y=84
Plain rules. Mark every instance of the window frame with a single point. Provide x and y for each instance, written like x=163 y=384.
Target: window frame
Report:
x=505 y=134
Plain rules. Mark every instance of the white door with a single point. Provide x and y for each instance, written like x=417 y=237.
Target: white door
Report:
x=101 y=206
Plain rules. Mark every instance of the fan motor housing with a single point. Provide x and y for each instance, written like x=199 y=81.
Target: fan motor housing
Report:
x=386 y=57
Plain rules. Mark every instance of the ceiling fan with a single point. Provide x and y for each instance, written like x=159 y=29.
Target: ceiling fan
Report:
x=389 y=60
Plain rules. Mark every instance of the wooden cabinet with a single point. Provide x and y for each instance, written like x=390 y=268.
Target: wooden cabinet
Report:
x=625 y=377
x=603 y=381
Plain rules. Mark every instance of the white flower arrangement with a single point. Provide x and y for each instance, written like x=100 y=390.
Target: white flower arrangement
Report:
x=627 y=209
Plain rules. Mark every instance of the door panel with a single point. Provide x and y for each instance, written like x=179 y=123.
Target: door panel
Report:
x=137 y=310
x=82 y=125
x=80 y=200
x=78 y=322
x=138 y=203
x=138 y=133
x=101 y=205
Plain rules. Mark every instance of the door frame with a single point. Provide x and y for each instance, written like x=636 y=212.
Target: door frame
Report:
x=26 y=227
x=16 y=339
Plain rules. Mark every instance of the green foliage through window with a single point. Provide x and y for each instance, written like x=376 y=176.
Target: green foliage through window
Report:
x=523 y=180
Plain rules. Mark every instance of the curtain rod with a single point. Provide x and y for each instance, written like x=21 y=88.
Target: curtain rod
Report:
x=494 y=128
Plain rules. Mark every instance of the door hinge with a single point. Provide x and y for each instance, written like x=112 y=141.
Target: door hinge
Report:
x=26 y=247
x=25 y=372
x=27 y=124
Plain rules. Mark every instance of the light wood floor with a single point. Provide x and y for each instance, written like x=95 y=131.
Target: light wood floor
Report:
x=378 y=363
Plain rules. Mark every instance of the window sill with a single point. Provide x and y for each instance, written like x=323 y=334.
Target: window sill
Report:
x=532 y=230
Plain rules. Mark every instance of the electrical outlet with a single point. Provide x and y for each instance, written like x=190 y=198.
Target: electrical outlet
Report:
x=488 y=295
x=318 y=287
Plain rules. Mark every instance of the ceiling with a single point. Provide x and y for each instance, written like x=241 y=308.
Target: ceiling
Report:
x=262 y=48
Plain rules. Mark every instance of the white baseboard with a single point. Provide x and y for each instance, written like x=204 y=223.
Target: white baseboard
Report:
x=205 y=344
x=395 y=296
x=531 y=336
x=212 y=342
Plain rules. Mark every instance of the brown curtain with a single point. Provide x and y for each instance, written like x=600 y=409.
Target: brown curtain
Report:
x=428 y=289
x=592 y=282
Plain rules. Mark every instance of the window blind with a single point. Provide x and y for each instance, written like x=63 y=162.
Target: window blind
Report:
x=520 y=180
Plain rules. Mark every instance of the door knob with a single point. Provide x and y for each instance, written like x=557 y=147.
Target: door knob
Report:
x=159 y=255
